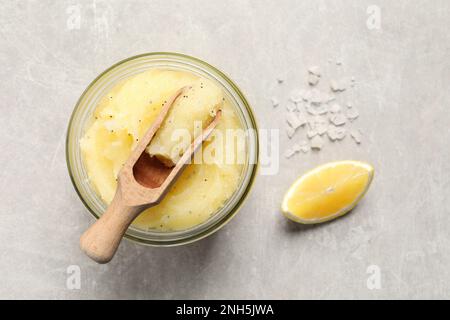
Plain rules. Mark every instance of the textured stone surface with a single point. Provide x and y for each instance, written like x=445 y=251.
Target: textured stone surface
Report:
x=402 y=76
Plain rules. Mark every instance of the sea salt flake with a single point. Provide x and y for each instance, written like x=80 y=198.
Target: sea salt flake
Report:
x=316 y=109
x=296 y=97
x=299 y=106
x=304 y=149
x=306 y=95
x=302 y=119
x=311 y=133
x=296 y=147
x=295 y=121
x=335 y=108
x=316 y=96
x=315 y=70
x=336 y=133
x=328 y=98
x=275 y=102
x=311 y=109
x=313 y=75
x=318 y=124
x=289 y=153
x=280 y=80
x=322 y=129
x=291 y=107
x=303 y=146
x=323 y=109
x=317 y=143
x=316 y=121
x=290 y=132
x=338 y=119
x=352 y=114
x=356 y=135
x=313 y=79
x=337 y=85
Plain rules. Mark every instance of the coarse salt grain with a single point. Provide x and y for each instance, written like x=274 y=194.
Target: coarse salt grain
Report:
x=336 y=133
x=275 y=102
x=356 y=135
x=304 y=149
x=317 y=143
x=335 y=108
x=291 y=107
x=338 y=119
x=337 y=85
x=315 y=70
x=290 y=132
x=311 y=133
x=352 y=114
x=313 y=79
x=294 y=121
x=289 y=153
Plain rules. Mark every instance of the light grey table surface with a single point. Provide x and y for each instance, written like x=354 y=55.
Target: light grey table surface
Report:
x=400 y=232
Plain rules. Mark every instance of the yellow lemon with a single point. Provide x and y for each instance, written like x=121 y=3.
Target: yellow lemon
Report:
x=327 y=192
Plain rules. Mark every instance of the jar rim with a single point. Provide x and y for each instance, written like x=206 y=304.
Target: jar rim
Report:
x=249 y=184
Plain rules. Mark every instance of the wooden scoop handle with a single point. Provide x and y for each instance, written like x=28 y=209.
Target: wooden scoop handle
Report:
x=101 y=240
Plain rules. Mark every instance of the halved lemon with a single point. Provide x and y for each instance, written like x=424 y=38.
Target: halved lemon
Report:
x=327 y=192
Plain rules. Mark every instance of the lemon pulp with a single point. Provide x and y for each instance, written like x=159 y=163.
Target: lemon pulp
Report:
x=327 y=192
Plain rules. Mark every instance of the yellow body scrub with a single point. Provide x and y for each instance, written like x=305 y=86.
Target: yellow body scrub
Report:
x=189 y=115
x=123 y=116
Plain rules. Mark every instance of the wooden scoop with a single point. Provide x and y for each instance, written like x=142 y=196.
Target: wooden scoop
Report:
x=143 y=182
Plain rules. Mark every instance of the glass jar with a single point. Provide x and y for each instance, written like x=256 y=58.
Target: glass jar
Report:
x=82 y=116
